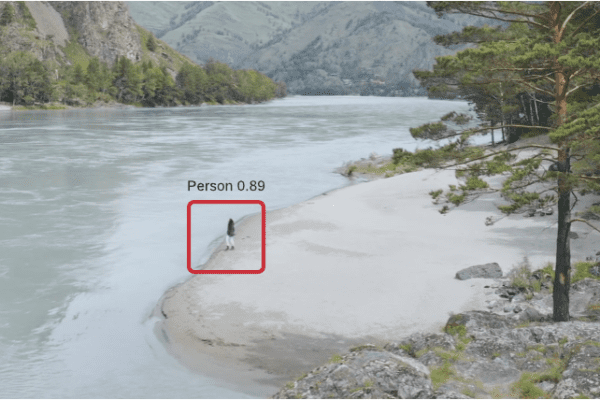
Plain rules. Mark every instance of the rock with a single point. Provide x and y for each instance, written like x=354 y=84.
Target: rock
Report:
x=530 y=314
x=483 y=355
x=508 y=307
x=373 y=156
x=595 y=270
x=364 y=374
x=581 y=373
x=490 y=271
x=573 y=235
x=546 y=386
x=518 y=308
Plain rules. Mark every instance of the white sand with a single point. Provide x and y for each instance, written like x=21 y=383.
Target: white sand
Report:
x=5 y=108
x=374 y=261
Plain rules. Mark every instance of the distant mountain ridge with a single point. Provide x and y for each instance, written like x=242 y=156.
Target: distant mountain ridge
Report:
x=315 y=47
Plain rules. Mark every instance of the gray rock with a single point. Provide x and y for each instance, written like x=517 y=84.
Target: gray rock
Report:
x=490 y=271
x=573 y=235
x=518 y=308
x=486 y=356
x=595 y=270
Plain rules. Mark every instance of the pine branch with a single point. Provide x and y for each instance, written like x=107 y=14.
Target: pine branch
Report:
x=583 y=23
x=564 y=25
x=585 y=222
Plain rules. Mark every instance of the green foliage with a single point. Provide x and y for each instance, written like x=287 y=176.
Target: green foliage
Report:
x=24 y=79
x=7 y=16
x=335 y=359
x=436 y=193
x=27 y=17
x=521 y=275
x=475 y=183
x=429 y=130
x=441 y=375
x=456 y=199
x=151 y=43
x=582 y=271
x=455 y=329
x=525 y=387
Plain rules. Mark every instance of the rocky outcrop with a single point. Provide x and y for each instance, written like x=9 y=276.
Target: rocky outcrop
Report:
x=104 y=28
x=490 y=271
x=479 y=354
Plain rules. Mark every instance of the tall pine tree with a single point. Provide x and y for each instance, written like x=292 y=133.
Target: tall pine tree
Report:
x=547 y=48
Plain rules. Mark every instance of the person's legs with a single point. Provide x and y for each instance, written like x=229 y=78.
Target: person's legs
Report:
x=232 y=243
x=227 y=241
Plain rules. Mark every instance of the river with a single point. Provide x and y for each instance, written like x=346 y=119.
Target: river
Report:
x=93 y=223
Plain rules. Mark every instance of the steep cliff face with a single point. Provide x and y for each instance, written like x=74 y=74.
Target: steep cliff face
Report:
x=315 y=47
x=104 y=28
x=69 y=33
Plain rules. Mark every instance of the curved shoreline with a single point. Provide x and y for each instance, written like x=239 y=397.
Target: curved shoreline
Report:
x=379 y=266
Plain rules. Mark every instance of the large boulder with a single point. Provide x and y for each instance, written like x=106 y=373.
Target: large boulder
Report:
x=489 y=271
x=366 y=372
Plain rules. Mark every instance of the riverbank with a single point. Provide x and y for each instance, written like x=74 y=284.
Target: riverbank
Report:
x=368 y=263
x=109 y=105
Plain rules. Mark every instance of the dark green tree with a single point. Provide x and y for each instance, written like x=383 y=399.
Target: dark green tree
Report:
x=151 y=43
x=552 y=49
x=24 y=79
x=8 y=14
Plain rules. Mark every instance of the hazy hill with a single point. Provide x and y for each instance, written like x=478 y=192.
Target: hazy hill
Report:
x=315 y=47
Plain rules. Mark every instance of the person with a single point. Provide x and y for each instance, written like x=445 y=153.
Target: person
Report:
x=230 y=234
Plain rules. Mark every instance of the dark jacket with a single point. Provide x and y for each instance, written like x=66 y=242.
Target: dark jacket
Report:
x=230 y=228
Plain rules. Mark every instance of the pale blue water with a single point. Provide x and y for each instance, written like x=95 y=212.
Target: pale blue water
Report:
x=93 y=223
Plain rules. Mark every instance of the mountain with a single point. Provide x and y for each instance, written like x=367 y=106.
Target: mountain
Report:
x=93 y=53
x=73 y=32
x=315 y=47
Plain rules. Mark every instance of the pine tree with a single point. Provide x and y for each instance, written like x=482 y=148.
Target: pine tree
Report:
x=151 y=43
x=552 y=49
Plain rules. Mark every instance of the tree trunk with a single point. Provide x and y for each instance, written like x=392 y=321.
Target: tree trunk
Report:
x=562 y=278
x=502 y=111
x=493 y=137
x=562 y=271
x=537 y=114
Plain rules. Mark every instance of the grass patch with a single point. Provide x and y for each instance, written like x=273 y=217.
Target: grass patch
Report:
x=335 y=359
x=441 y=375
x=456 y=330
x=525 y=387
x=76 y=53
x=407 y=348
x=582 y=271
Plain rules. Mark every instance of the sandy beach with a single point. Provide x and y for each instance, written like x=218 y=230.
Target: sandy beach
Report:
x=371 y=262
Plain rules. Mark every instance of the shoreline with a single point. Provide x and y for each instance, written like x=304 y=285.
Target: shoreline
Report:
x=111 y=106
x=320 y=295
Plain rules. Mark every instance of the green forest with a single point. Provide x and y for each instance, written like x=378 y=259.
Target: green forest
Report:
x=24 y=80
x=80 y=80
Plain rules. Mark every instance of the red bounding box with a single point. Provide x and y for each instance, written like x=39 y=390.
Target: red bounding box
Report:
x=263 y=213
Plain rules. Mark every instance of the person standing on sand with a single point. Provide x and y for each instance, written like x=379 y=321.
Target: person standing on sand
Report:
x=230 y=234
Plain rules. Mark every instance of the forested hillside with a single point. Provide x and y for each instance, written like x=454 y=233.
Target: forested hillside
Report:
x=92 y=53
